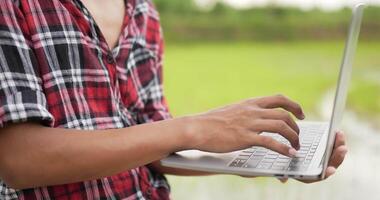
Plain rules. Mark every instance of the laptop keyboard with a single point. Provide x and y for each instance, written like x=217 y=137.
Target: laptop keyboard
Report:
x=262 y=158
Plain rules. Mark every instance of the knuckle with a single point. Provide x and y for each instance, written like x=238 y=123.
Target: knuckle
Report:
x=266 y=141
x=242 y=107
x=292 y=139
x=246 y=101
x=259 y=112
x=280 y=97
x=251 y=101
x=253 y=109
x=283 y=148
x=286 y=116
x=281 y=125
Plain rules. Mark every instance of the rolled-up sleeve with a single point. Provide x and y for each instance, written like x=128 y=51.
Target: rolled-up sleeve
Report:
x=21 y=94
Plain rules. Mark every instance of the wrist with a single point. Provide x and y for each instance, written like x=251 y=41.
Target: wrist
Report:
x=190 y=132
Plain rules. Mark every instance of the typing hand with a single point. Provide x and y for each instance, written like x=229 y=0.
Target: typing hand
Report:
x=336 y=159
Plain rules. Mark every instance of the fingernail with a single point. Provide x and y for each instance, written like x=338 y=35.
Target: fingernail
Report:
x=292 y=152
x=303 y=116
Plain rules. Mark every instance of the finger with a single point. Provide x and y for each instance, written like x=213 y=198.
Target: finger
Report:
x=280 y=101
x=337 y=156
x=283 y=180
x=330 y=171
x=280 y=127
x=274 y=145
x=281 y=115
x=340 y=139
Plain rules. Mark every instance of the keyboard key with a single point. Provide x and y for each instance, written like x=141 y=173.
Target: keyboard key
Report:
x=273 y=156
x=245 y=156
x=264 y=165
x=283 y=160
x=280 y=164
x=257 y=153
x=248 y=151
x=238 y=162
x=252 y=163
x=259 y=157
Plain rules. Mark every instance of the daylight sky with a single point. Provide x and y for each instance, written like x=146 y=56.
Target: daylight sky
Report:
x=304 y=4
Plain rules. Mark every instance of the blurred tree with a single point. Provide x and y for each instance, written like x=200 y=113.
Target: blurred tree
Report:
x=221 y=8
x=184 y=20
x=175 y=6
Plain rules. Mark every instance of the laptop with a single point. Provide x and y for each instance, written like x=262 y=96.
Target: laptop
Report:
x=316 y=138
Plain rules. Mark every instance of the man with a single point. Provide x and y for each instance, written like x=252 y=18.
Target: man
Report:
x=80 y=83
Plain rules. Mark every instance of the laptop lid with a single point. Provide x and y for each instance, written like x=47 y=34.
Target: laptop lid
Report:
x=343 y=81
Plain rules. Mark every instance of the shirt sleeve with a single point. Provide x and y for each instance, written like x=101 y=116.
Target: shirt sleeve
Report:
x=21 y=95
x=155 y=104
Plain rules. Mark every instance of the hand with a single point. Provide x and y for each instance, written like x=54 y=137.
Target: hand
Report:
x=238 y=126
x=336 y=159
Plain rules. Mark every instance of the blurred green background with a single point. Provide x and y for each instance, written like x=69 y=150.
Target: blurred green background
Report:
x=219 y=55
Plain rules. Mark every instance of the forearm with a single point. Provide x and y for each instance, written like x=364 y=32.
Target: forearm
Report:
x=32 y=155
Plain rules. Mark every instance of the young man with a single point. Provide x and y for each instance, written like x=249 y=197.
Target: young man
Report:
x=78 y=92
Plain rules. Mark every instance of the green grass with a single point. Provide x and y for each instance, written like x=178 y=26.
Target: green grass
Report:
x=200 y=76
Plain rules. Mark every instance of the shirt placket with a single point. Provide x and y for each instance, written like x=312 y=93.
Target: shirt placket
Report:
x=106 y=55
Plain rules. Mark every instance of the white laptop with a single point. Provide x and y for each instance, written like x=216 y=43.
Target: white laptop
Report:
x=316 y=138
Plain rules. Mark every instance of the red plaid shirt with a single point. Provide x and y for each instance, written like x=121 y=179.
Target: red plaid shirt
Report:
x=56 y=68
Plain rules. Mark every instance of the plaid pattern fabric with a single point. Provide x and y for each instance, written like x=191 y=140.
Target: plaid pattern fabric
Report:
x=56 y=68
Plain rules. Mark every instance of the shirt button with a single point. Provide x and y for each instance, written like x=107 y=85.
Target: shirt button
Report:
x=110 y=58
x=149 y=194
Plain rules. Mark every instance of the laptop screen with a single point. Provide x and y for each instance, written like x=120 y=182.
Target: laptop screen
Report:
x=344 y=78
